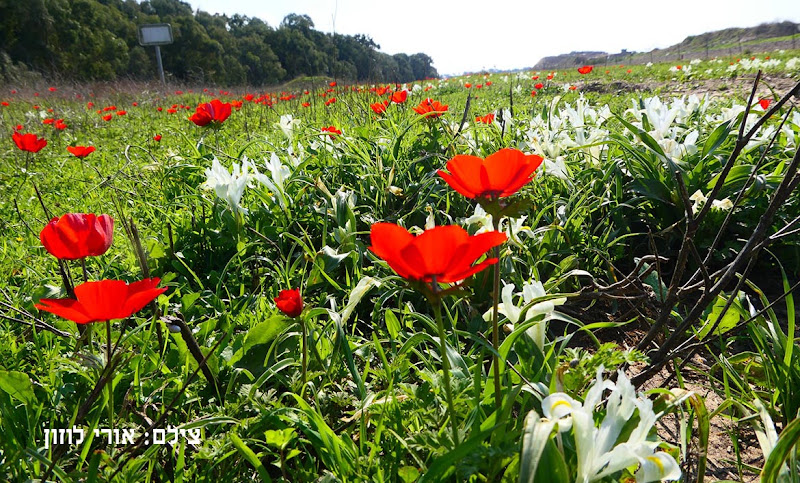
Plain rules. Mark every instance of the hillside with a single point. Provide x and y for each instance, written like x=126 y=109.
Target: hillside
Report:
x=727 y=42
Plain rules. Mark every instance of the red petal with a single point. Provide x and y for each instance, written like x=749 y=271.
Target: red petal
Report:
x=388 y=240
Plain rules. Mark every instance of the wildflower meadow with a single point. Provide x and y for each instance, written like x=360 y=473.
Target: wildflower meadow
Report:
x=579 y=275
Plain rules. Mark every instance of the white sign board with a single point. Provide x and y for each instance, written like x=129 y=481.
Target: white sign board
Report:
x=155 y=34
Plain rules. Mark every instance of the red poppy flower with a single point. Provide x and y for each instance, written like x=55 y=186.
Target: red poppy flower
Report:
x=49 y=120
x=585 y=69
x=81 y=151
x=538 y=85
x=290 y=302
x=157 y=137
x=487 y=119
x=536 y=77
x=28 y=142
x=399 y=97
x=60 y=125
x=332 y=131
x=104 y=300
x=51 y=89
x=488 y=83
x=764 y=103
x=215 y=110
x=467 y=85
x=170 y=110
x=332 y=84
x=306 y=104
x=121 y=113
x=107 y=117
x=330 y=101
x=4 y=104
x=430 y=108
x=379 y=107
x=499 y=175
x=533 y=93
x=572 y=88
x=444 y=252
x=78 y=235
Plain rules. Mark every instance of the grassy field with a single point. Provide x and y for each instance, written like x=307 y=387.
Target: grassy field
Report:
x=538 y=276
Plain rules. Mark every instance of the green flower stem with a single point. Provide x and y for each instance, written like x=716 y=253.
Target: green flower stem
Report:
x=498 y=397
x=437 y=311
x=304 y=362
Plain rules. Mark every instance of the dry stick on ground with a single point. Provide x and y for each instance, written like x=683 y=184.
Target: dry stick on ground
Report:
x=692 y=224
x=746 y=256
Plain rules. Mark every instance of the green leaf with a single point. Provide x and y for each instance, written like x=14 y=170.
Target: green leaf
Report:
x=392 y=324
x=265 y=331
x=716 y=139
x=250 y=456
x=786 y=443
x=17 y=385
x=408 y=474
x=729 y=320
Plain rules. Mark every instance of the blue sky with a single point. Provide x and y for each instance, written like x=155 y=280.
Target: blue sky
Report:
x=470 y=35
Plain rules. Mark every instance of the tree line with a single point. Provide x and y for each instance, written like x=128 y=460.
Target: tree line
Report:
x=98 y=40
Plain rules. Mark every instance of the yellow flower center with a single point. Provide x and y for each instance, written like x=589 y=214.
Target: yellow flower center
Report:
x=657 y=462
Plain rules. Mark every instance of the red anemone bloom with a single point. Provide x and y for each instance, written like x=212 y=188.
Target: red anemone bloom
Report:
x=764 y=103
x=487 y=119
x=499 y=175
x=157 y=137
x=215 y=110
x=104 y=300
x=379 y=107
x=430 y=108
x=28 y=142
x=585 y=69
x=444 y=252
x=332 y=131
x=107 y=117
x=399 y=97
x=81 y=151
x=78 y=235
x=290 y=302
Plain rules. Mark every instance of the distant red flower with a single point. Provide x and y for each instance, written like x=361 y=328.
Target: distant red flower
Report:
x=679 y=67
x=467 y=85
x=536 y=77
x=306 y=104
x=170 y=110
x=121 y=113
x=108 y=117
x=81 y=151
x=572 y=88
x=157 y=137
x=538 y=85
x=104 y=300
x=78 y=235
x=290 y=302
x=533 y=93
x=28 y=142
x=236 y=104
x=214 y=111
x=60 y=125
x=628 y=71
x=159 y=109
x=379 y=107
x=430 y=108
x=330 y=101
x=49 y=120
x=249 y=97
x=89 y=105
x=488 y=83
x=332 y=131
x=4 y=103
x=550 y=77
x=487 y=119
x=332 y=84
x=764 y=103
x=445 y=253
x=585 y=69
x=52 y=89
x=135 y=104
x=499 y=175
x=399 y=97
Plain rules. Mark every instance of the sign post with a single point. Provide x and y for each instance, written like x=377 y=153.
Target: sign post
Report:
x=156 y=34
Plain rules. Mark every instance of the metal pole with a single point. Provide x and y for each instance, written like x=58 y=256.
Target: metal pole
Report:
x=160 y=65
